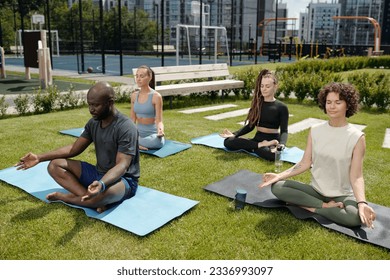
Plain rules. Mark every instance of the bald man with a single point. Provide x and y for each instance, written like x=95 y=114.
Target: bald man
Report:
x=115 y=176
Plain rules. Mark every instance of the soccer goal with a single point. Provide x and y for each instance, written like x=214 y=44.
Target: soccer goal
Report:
x=214 y=37
x=55 y=46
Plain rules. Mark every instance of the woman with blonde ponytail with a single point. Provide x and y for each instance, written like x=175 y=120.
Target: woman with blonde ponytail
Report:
x=147 y=110
x=268 y=115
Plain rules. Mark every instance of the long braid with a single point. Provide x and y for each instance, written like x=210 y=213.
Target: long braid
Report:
x=257 y=101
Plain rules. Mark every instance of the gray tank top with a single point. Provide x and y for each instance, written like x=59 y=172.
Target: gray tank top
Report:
x=146 y=109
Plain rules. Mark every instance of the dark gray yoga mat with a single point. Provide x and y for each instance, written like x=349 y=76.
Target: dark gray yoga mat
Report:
x=248 y=180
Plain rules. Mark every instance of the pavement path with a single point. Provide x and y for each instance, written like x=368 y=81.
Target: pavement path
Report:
x=128 y=83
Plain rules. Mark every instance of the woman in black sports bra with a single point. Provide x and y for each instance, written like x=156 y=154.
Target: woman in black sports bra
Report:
x=268 y=115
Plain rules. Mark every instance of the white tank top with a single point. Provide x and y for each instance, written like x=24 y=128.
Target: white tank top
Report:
x=332 y=149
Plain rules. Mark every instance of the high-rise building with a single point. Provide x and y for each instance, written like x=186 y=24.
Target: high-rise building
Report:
x=359 y=31
x=386 y=24
x=319 y=26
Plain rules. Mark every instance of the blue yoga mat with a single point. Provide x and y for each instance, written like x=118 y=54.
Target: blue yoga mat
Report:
x=147 y=211
x=76 y=132
x=213 y=140
x=170 y=148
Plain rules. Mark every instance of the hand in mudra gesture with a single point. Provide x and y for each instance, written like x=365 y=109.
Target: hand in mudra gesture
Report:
x=226 y=133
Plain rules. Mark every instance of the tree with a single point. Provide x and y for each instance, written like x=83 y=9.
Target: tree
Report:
x=8 y=22
x=138 y=32
x=26 y=6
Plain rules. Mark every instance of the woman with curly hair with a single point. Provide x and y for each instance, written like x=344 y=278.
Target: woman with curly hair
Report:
x=267 y=115
x=334 y=153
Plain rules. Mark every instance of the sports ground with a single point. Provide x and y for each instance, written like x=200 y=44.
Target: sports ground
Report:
x=113 y=66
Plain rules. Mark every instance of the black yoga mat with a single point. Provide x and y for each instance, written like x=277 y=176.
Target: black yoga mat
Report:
x=248 y=180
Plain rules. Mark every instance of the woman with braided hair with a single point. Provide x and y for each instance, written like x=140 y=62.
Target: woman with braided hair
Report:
x=268 y=115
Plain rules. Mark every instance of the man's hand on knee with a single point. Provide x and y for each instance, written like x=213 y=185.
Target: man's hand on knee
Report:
x=94 y=189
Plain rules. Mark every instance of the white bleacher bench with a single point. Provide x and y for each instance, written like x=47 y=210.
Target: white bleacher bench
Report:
x=167 y=48
x=16 y=49
x=183 y=79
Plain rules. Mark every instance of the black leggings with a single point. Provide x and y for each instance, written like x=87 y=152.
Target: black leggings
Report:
x=251 y=145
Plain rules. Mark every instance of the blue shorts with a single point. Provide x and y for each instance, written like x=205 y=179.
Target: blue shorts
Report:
x=90 y=174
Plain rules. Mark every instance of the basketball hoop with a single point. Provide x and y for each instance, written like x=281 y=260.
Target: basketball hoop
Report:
x=38 y=19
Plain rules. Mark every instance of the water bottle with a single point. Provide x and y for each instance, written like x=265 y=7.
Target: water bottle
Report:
x=240 y=199
x=278 y=160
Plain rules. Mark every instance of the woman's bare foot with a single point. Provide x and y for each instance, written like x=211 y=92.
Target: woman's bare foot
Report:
x=310 y=209
x=332 y=203
x=266 y=143
x=143 y=148
x=329 y=204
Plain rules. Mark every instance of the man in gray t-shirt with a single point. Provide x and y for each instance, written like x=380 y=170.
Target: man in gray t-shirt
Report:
x=114 y=178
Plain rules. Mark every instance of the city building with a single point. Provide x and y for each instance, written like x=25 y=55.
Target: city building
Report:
x=354 y=27
x=386 y=24
x=254 y=21
x=354 y=31
x=319 y=25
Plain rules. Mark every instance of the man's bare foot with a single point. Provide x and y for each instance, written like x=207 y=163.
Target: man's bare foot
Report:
x=54 y=196
x=101 y=209
x=266 y=143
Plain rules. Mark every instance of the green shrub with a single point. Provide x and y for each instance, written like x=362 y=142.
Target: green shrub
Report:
x=68 y=100
x=373 y=88
x=338 y=64
x=3 y=106
x=44 y=100
x=286 y=83
x=302 y=87
x=363 y=84
x=318 y=80
x=306 y=77
x=22 y=104
x=381 y=93
x=304 y=84
x=249 y=77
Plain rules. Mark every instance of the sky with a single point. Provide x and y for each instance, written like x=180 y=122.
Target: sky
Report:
x=296 y=6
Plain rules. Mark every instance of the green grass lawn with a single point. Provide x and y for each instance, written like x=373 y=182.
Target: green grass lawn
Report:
x=212 y=230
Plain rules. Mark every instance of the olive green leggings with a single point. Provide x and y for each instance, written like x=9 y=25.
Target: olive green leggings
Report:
x=304 y=195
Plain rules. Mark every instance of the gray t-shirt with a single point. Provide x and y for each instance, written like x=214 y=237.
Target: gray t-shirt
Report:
x=120 y=136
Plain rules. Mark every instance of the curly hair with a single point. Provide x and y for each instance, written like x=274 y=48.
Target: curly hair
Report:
x=347 y=92
x=257 y=101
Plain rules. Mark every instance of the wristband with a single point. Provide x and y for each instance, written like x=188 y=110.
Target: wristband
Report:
x=103 y=186
x=365 y=202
